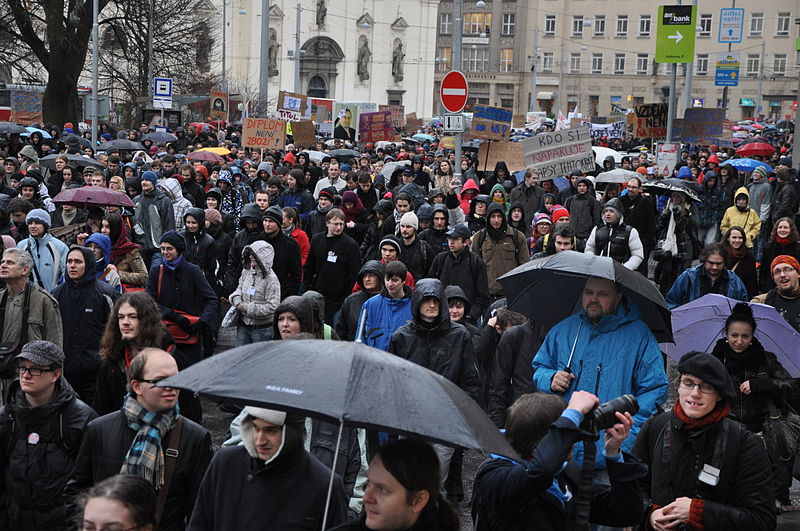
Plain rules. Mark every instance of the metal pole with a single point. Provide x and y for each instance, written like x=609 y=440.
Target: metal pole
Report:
x=263 y=66
x=458 y=7
x=759 y=103
x=95 y=73
x=725 y=89
x=150 y=35
x=560 y=78
x=795 y=153
x=671 y=105
x=224 y=44
x=534 y=92
x=687 y=88
x=297 y=51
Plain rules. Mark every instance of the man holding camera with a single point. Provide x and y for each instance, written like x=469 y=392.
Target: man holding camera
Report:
x=542 y=492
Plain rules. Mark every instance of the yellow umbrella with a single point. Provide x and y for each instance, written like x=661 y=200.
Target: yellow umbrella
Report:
x=217 y=150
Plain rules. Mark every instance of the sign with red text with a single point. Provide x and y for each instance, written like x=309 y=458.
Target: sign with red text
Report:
x=559 y=153
x=263 y=133
x=375 y=126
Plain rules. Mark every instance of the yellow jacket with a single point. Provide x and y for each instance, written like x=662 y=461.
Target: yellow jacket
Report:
x=749 y=220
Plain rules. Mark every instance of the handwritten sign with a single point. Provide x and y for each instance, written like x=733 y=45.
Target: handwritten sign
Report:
x=412 y=123
x=219 y=106
x=702 y=126
x=651 y=120
x=283 y=114
x=491 y=123
x=264 y=133
x=613 y=130
x=289 y=101
x=557 y=154
x=375 y=126
x=398 y=114
x=26 y=107
x=304 y=133
x=490 y=153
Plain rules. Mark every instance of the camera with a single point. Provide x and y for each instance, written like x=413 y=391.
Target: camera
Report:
x=604 y=416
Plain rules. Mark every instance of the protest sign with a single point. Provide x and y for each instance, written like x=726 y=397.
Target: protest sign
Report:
x=398 y=114
x=557 y=154
x=283 y=114
x=667 y=157
x=219 y=106
x=304 y=133
x=490 y=153
x=702 y=126
x=651 y=120
x=412 y=123
x=491 y=123
x=26 y=107
x=614 y=130
x=264 y=133
x=375 y=126
x=289 y=101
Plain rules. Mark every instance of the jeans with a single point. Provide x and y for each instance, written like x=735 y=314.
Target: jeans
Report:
x=708 y=235
x=246 y=336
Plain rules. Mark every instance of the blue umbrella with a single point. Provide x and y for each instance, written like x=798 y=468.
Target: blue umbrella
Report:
x=697 y=325
x=747 y=164
x=32 y=130
x=562 y=183
x=422 y=137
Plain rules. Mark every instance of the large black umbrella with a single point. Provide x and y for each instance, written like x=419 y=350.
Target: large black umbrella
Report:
x=550 y=289
x=11 y=128
x=666 y=186
x=343 y=153
x=78 y=161
x=160 y=137
x=122 y=144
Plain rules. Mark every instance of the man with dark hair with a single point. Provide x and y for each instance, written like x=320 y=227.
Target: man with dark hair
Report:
x=414 y=253
x=501 y=247
x=640 y=213
x=390 y=309
x=710 y=276
x=287 y=264
x=18 y=208
x=370 y=280
x=436 y=233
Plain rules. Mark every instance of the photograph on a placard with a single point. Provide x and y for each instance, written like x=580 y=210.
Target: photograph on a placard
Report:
x=345 y=121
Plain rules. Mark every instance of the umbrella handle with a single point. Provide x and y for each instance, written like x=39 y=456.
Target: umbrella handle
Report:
x=572 y=351
x=362 y=320
x=333 y=474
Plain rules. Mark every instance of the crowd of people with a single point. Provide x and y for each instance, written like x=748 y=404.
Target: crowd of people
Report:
x=386 y=246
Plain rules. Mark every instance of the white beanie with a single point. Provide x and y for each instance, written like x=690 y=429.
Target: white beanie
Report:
x=409 y=218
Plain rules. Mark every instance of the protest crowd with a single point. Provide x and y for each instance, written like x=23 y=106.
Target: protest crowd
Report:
x=120 y=268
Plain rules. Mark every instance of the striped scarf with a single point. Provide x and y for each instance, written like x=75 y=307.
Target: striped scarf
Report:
x=145 y=457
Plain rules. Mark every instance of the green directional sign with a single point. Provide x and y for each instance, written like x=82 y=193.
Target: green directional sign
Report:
x=675 y=35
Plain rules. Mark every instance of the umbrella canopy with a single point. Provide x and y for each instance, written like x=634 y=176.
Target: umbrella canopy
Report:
x=200 y=125
x=205 y=156
x=617 y=175
x=409 y=140
x=559 y=280
x=315 y=156
x=217 y=150
x=747 y=164
x=784 y=124
x=92 y=196
x=160 y=137
x=750 y=149
x=345 y=382
x=123 y=144
x=740 y=135
x=600 y=153
x=422 y=137
x=79 y=161
x=32 y=130
x=75 y=139
x=343 y=153
x=697 y=325
x=665 y=186
x=390 y=167
x=11 y=128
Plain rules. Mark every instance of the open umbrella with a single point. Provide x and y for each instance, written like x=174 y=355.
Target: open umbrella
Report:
x=12 y=128
x=559 y=279
x=617 y=175
x=92 y=196
x=747 y=164
x=205 y=156
x=31 y=130
x=160 y=137
x=751 y=149
x=217 y=150
x=409 y=140
x=343 y=153
x=697 y=325
x=390 y=167
x=315 y=156
x=422 y=137
x=665 y=186
x=600 y=153
x=73 y=139
x=123 y=144
x=79 y=161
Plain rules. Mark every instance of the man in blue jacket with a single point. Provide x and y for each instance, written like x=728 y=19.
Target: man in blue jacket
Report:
x=710 y=276
x=388 y=310
x=607 y=349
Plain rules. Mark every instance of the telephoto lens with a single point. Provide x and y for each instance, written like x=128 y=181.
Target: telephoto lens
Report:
x=603 y=416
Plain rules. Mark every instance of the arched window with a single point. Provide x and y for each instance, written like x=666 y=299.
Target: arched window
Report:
x=317 y=88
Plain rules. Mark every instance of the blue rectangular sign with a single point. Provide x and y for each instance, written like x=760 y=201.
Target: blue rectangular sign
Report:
x=727 y=72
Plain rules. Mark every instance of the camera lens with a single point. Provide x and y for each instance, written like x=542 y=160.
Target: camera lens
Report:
x=604 y=415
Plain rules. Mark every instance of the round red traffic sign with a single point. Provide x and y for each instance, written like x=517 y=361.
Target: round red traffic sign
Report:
x=454 y=91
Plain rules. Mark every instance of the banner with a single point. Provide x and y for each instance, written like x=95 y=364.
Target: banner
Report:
x=651 y=120
x=289 y=101
x=559 y=153
x=398 y=114
x=491 y=123
x=701 y=126
x=219 y=106
x=614 y=130
x=264 y=133
x=304 y=133
x=490 y=153
x=375 y=126
x=26 y=107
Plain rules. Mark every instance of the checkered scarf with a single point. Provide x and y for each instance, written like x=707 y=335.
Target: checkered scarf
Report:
x=145 y=457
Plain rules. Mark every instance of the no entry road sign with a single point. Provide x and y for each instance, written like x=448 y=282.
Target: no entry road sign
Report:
x=454 y=91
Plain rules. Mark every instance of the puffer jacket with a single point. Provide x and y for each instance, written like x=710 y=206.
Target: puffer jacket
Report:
x=349 y=315
x=35 y=474
x=154 y=217
x=384 y=316
x=712 y=198
x=259 y=289
x=440 y=346
x=180 y=205
x=749 y=220
x=200 y=246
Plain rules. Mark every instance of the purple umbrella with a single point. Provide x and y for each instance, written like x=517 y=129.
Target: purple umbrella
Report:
x=697 y=325
x=92 y=196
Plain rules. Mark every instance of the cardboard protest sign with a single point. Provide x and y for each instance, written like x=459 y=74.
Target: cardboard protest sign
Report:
x=412 y=123
x=490 y=153
x=26 y=107
x=283 y=114
x=304 y=133
x=559 y=153
x=491 y=123
x=667 y=157
x=264 y=133
x=375 y=126
x=398 y=114
x=651 y=120
x=702 y=126
x=219 y=106
x=289 y=101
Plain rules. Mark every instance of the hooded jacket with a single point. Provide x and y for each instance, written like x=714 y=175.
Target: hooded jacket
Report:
x=243 y=238
x=584 y=211
x=384 y=315
x=436 y=238
x=259 y=289
x=302 y=309
x=440 y=346
x=185 y=289
x=318 y=303
x=749 y=220
x=154 y=217
x=618 y=355
x=232 y=202
x=617 y=240
x=505 y=203
x=712 y=197
x=466 y=202
x=688 y=287
x=761 y=198
x=347 y=323
x=200 y=247
x=49 y=259
x=500 y=255
x=495 y=178
x=101 y=270
x=467 y=271
x=180 y=205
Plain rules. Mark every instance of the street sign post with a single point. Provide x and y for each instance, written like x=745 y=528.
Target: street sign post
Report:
x=162 y=93
x=675 y=34
x=454 y=91
x=453 y=123
x=727 y=73
x=731 y=21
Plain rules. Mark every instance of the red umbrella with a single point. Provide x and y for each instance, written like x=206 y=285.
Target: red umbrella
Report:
x=199 y=125
x=752 y=149
x=93 y=196
x=205 y=156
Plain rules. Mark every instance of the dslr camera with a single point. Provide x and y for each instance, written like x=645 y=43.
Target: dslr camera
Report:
x=604 y=416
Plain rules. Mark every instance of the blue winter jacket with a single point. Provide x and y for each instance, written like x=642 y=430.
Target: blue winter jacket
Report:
x=687 y=287
x=619 y=355
x=49 y=260
x=384 y=316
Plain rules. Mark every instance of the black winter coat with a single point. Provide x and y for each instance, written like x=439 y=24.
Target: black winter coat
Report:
x=640 y=213
x=436 y=239
x=34 y=475
x=106 y=443
x=286 y=266
x=200 y=246
x=784 y=202
x=584 y=213
x=185 y=289
x=347 y=323
x=417 y=257
x=468 y=272
x=331 y=268
x=233 y=270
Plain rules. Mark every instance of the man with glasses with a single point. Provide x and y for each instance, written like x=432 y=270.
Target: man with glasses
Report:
x=143 y=437
x=710 y=276
x=41 y=427
x=640 y=213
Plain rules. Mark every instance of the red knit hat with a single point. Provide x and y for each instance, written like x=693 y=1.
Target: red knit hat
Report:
x=558 y=212
x=785 y=259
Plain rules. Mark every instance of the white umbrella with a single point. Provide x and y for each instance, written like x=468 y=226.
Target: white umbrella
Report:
x=390 y=167
x=315 y=156
x=617 y=175
x=601 y=153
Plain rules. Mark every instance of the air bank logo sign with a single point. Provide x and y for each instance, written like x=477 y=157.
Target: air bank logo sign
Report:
x=675 y=34
x=678 y=16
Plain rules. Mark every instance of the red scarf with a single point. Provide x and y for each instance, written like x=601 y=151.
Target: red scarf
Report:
x=123 y=245
x=720 y=411
x=783 y=242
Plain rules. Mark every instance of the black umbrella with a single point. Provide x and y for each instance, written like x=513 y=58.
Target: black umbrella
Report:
x=122 y=144
x=343 y=153
x=784 y=124
x=75 y=140
x=11 y=128
x=160 y=137
x=79 y=161
x=550 y=289
x=673 y=184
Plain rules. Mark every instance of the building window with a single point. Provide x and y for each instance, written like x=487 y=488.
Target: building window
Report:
x=752 y=65
x=597 y=63
x=577 y=25
x=756 y=24
x=445 y=23
x=506 y=60
x=575 y=63
x=475 y=59
x=599 y=25
x=509 y=21
x=782 y=27
x=644 y=25
x=779 y=65
x=702 y=64
x=444 y=59
x=507 y=103
x=619 y=63
x=550 y=26
x=622 y=25
x=641 y=64
x=705 y=25
x=547 y=62
x=477 y=23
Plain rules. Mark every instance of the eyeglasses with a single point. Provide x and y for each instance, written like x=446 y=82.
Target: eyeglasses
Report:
x=33 y=371
x=151 y=382
x=689 y=385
